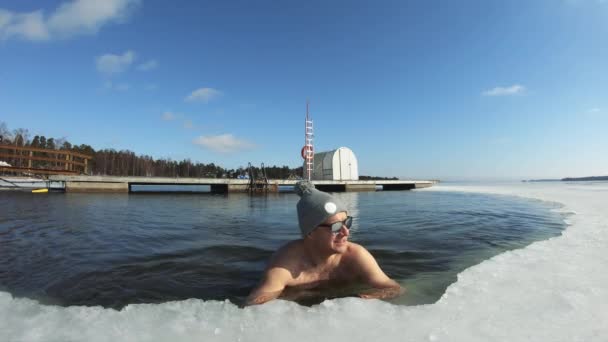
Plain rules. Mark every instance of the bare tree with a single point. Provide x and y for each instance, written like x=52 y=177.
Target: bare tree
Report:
x=24 y=135
x=5 y=135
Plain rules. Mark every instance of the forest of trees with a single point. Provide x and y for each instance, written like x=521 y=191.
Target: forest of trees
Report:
x=110 y=162
x=126 y=163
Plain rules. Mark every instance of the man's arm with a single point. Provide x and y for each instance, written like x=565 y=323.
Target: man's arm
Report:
x=271 y=286
x=370 y=272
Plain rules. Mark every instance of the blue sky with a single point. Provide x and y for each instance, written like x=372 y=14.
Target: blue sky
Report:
x=417 y=89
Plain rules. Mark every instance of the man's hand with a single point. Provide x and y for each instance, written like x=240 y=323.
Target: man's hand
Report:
x=270 y=288
x=256 y=297
x=383 y=293
x=383 y=287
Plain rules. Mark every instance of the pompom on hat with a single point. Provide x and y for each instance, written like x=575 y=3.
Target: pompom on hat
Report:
x=315 y=206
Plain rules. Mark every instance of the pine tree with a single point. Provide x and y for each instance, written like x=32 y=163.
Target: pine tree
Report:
x=35 y=141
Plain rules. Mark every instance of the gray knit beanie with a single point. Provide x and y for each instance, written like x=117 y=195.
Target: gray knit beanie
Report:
x=315 y=206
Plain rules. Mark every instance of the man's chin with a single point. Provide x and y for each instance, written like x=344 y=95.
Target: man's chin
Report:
x=340 y=247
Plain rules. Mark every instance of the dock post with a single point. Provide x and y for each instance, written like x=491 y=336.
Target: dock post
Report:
x=392 y=187
x=219 y=188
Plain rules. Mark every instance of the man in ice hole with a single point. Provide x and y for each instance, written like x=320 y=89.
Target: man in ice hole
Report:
x=323 y=258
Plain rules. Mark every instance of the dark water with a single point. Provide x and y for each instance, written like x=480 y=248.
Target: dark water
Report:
x=116 y=249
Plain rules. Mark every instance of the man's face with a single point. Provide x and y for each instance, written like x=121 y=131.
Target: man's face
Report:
x=324 y=237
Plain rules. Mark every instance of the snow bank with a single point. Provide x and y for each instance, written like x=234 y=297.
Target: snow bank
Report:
x=552 y=290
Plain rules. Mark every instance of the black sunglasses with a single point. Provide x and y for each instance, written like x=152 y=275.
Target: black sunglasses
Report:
x=336 y=226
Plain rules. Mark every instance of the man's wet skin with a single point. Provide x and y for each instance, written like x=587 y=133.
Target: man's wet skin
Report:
x=322 y=291
x=323 y=265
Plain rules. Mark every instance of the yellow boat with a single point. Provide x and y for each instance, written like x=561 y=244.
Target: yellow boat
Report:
x=40 y=191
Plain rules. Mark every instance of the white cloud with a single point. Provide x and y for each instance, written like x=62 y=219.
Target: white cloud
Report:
x=71 y=18
x=149 y=65
x=503 y=91
x=594 y=112
x=30 y=26
x=168 y=116
x=117 y=86
x=223 y=143
x=113 y=64
x=203 y=95
x=122 y=87
x=188 y=124
x=87 y=16
x=5 y=18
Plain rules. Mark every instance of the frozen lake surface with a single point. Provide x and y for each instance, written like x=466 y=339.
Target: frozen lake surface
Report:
x=553 y=289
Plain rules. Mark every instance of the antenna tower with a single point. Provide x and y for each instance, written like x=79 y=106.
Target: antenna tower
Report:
x=308 y=152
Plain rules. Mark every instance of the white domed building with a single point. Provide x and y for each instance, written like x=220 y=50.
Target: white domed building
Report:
x=339 y=164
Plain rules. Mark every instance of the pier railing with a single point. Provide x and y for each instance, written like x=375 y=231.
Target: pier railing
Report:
x=44 y=161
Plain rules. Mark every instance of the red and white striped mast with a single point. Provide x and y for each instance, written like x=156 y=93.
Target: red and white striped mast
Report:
x=308 y=151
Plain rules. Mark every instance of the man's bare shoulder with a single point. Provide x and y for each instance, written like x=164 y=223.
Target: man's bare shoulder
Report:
x=287 y=254
x=356 y=250
x=357 y=255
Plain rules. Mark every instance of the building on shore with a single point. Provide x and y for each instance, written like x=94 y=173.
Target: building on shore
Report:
x=339 y=164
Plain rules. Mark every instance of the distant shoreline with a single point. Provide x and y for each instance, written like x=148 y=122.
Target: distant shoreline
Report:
x=571 y=179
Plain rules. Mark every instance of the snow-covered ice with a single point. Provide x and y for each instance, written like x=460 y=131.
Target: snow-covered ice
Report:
x=552 y=290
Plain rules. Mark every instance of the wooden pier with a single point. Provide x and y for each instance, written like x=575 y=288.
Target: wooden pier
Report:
x=222 y=185
x=43 y=161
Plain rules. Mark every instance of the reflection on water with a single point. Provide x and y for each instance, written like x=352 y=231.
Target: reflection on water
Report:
x=116 y=249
